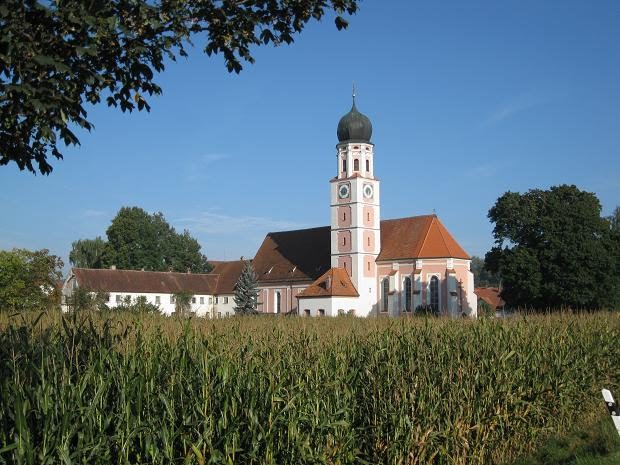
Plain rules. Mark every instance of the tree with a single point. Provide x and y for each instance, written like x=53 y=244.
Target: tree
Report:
x=482 y=276
x=246 y=290
x=28 y=280
x=182 y=302
x=614 y=225
x=87 y=253
x=553 y=249
x=56 y=57
x=614 y=219
x=138 y=240
x=82 y=299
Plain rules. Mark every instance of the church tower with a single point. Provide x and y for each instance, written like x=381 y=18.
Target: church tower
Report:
x=355 y=227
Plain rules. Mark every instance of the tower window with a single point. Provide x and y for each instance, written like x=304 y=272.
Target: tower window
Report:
x=344 y=165
x=368 y=216
x=344 y=216
x=344 y=240
x=356 y=165
x=367 y=165
x=368 y=241
x=368 y=266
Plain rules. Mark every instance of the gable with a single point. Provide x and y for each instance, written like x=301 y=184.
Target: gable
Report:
x=334 y=283
x=418 y=237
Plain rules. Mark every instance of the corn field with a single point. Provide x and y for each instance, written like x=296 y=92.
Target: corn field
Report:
x=129 y=389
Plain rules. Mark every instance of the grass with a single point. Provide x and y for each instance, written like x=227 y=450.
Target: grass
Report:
x=122 y=388
x=594 y=442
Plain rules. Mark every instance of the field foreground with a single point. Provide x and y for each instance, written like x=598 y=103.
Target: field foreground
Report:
x=148 y=389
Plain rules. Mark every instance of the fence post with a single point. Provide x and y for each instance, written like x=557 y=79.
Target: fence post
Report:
x=613 y=408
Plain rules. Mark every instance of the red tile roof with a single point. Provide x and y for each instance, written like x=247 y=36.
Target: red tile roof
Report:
x=228 y=273
x=293 y=256
x=417 y=237
x=491 y=296
x=304 y=255
x=334 y=283
x=108 y=280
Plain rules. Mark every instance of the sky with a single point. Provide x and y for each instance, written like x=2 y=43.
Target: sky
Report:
x=468 y=100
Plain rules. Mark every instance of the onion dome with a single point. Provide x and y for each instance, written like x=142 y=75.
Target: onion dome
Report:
x=354 y=126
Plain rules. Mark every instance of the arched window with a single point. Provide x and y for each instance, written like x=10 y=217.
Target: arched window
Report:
x=278 y=302
x=384 y=297
x=356 y=165
x=321 y=312
x=367 y=165
x=344 y=165
x=434 y=293
x=407 y=294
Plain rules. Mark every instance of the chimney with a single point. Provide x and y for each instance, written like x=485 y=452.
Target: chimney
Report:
x=112 y=267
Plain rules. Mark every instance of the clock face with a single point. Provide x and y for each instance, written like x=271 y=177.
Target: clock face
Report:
x=368 y=191
x=343 y=191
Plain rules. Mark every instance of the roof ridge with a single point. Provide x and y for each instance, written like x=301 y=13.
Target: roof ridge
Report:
x=428 y=229
x=443 y=239
x=145 y=271
x=407 y=217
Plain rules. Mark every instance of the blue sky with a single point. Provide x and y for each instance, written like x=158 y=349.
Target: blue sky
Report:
x=468 y=100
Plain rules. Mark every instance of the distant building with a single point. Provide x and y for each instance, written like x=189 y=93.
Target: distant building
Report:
x=359 y=264
x=491 y=296
x=213 y=293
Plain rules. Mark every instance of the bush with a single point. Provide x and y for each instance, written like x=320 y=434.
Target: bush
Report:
x=425 y=310
x=139 y=305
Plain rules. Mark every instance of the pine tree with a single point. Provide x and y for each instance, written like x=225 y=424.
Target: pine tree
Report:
x=246 y=292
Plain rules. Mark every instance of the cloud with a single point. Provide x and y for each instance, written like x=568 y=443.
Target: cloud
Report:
x=211 y=222
x=519 y=104
x=198 y=168
x=484 y=170
x=89 y=213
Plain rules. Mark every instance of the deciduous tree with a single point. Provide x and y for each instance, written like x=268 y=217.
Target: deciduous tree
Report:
x=482 y=276
x=57 y=57
x=553 y=249
x=139 y=240
x=87 y=253
x=28 y=279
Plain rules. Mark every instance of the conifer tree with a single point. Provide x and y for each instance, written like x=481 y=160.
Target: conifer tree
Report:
x=246 y=291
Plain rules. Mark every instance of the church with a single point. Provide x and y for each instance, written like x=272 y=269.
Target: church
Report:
x=358 y=265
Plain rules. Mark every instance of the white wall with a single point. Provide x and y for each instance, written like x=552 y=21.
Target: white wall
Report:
x=201 y=305
x=331 y=305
